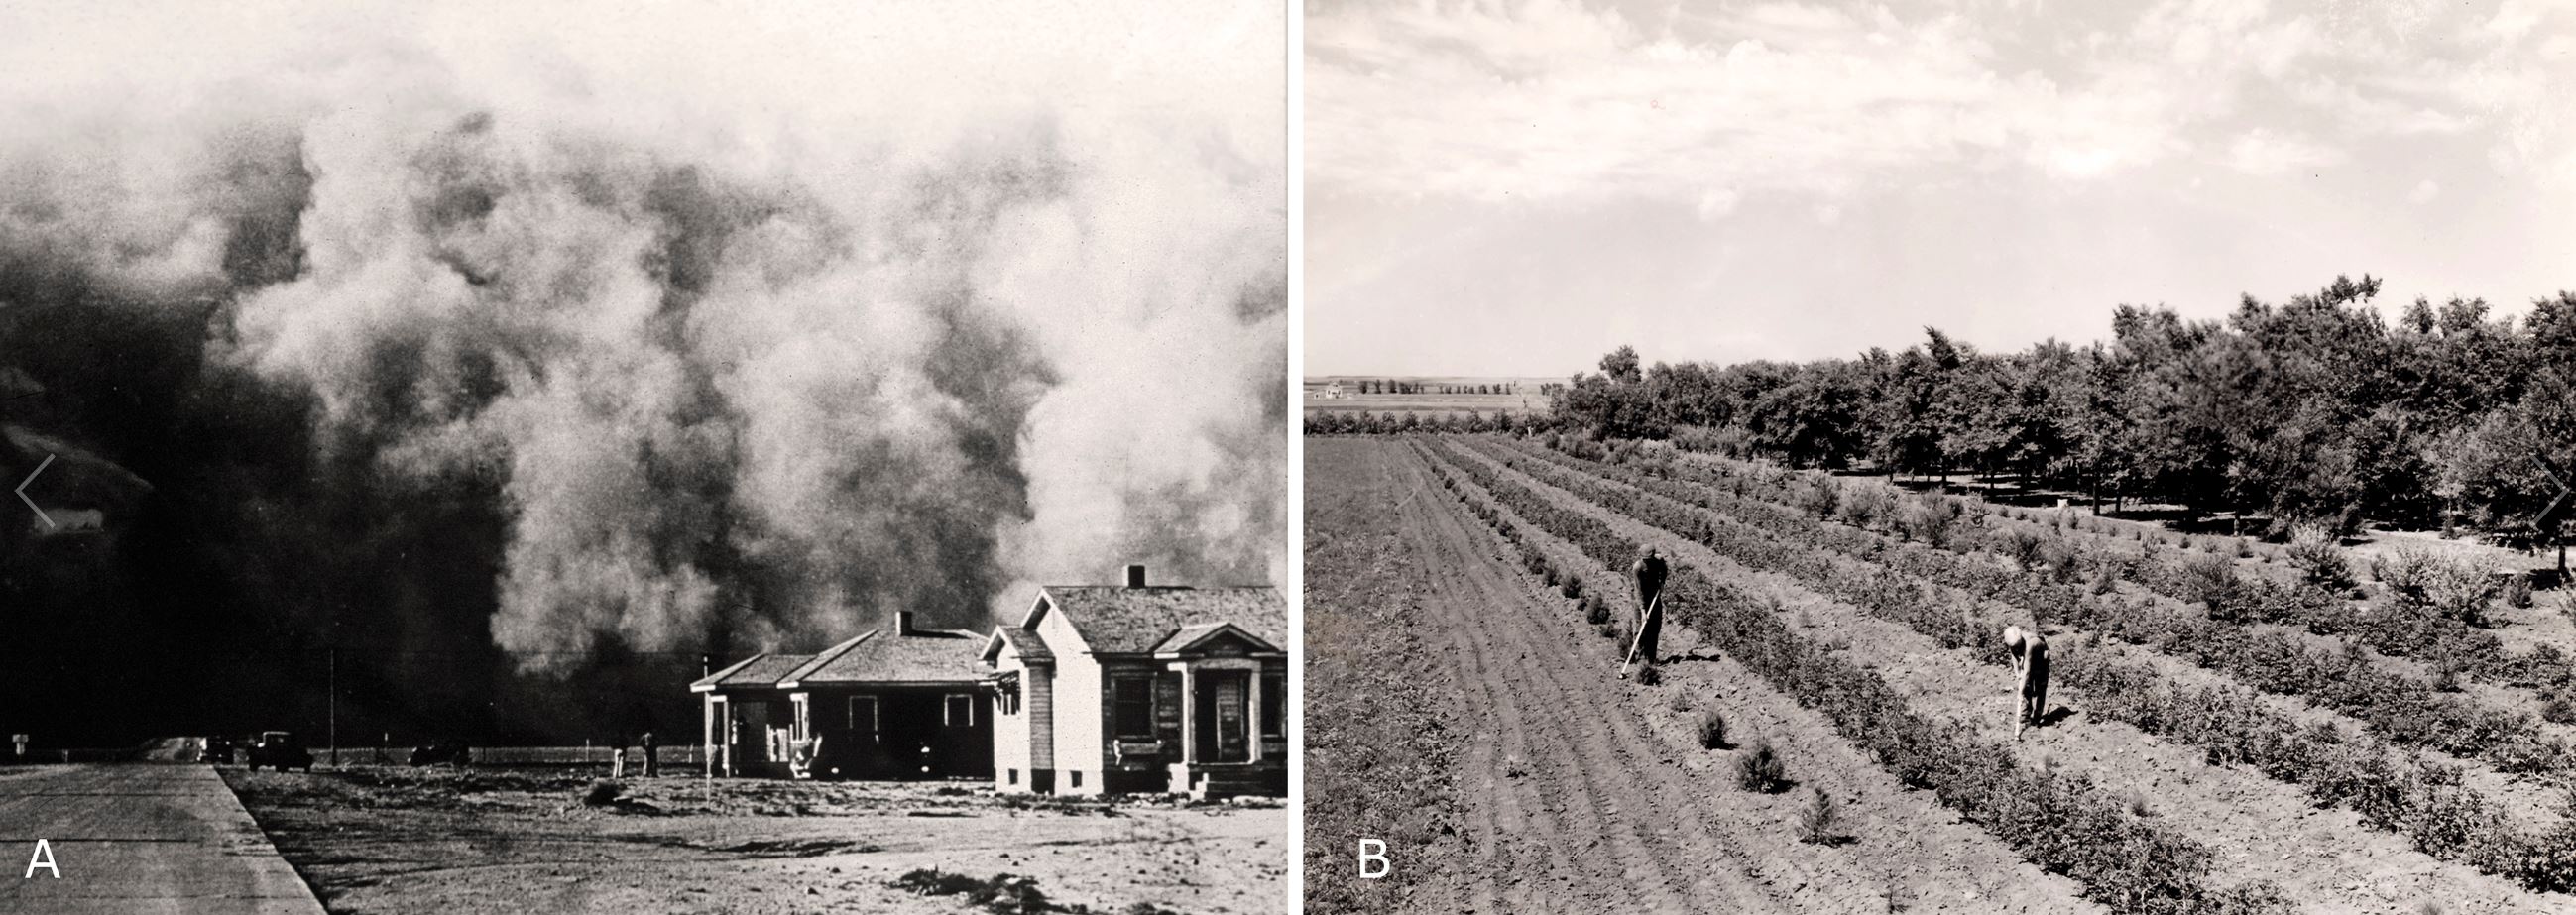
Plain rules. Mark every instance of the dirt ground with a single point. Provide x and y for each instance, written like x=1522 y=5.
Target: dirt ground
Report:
x=1578 y=791
x=2260 y=828
x=398 y=840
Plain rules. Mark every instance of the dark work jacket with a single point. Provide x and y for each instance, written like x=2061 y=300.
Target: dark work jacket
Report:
x=1650 y=578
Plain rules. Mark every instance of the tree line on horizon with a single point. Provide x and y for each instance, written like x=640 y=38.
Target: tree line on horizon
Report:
x=1394 y=386
x=2316 y=411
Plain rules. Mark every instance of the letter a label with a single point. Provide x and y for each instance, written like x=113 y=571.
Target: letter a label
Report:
x=43 y=860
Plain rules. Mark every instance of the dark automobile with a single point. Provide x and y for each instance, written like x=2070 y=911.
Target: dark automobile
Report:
x=280 y=750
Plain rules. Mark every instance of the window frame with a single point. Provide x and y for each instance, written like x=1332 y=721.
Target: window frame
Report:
x=1118 y=707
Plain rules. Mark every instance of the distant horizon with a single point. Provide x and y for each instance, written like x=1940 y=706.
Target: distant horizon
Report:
x=2387 y=304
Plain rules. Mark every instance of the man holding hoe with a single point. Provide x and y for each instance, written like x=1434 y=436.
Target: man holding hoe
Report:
x=1649 y=571
x=2030 y=677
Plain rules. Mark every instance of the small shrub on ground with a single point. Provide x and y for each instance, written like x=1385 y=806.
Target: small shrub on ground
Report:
x=1003 y=894
x=1929 y=521
x=602 y=792
x=1760 y=770
x=2020 y=546
x=1596 y=612
x=2460 y=591
x=2210 y=580
x=1711 y=727
x=2062 y=559
x=2314 y=553
x=1816 y=823
x=1650 y=675
x=2517 y=592
x=1572 y=586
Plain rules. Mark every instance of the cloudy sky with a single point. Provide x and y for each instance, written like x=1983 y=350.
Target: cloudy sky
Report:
x=1516 y=186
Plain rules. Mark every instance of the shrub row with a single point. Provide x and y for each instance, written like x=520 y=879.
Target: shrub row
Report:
x=2409 y=624
x=2064 y=823
x=1588 y=601
x=2424 y=802
x=2406 y=710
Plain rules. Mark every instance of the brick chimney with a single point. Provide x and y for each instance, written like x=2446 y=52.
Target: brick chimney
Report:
x=1135 y=575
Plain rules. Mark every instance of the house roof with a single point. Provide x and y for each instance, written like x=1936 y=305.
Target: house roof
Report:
x=1188 y=636
x=921 y=656
x=1031 y=648
x=760 y=670
x=1116 y=620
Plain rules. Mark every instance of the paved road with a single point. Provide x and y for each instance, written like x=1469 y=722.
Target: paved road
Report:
x=139 y=837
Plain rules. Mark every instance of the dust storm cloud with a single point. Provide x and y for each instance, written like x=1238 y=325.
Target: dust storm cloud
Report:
x=728 y=330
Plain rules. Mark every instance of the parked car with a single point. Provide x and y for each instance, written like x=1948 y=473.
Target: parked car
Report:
x=280 y=750
x=219 y=749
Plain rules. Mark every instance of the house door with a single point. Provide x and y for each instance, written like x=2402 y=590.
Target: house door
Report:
x=1224 y=713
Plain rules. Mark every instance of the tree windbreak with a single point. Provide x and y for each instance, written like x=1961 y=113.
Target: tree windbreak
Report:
x=2319 y=411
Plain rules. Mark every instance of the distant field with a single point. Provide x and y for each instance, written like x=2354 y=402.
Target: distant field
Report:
x=1524 y=396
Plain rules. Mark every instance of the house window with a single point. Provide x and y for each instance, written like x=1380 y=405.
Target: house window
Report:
x=1274 y=705
x=961 y=710
x=1077 y=778
x=1008 y=695
x=1015 y=776
x=1132 y=708
x=863 y=713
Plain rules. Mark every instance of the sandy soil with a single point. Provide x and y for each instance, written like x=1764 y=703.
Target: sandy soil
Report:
x=2261 y=828
x=1584 y=792
x=1382 y=718
x=398 y=840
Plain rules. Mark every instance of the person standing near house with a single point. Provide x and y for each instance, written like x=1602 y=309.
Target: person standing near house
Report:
x=617 y=756
x=2030 y=674
x=652 y=764
x=1650 y=572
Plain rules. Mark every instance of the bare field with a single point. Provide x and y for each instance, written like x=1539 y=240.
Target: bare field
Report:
x=2240 y=747
x=397 y=841
x=1577 y=790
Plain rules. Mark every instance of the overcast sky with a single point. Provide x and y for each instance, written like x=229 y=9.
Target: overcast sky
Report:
x=1516 y=187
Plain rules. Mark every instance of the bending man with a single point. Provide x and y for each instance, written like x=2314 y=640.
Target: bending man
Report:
x=2030 y=671
x=1650 y=615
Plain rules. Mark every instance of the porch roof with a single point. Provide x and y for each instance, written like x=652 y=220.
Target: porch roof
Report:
x=760 y=671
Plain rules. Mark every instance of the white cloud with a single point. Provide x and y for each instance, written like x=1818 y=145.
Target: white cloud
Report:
x=2264 y=153
x=2424 y=192
x=1558 y=101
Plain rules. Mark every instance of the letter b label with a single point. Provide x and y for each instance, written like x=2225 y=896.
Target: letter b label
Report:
x=1373 y=863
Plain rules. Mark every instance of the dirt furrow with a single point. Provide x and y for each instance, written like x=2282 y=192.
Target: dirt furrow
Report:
x=1910 y=851
x=1570 y=752
x=2262 y=828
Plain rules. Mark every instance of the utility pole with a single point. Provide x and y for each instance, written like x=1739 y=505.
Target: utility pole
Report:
x=335 y=708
